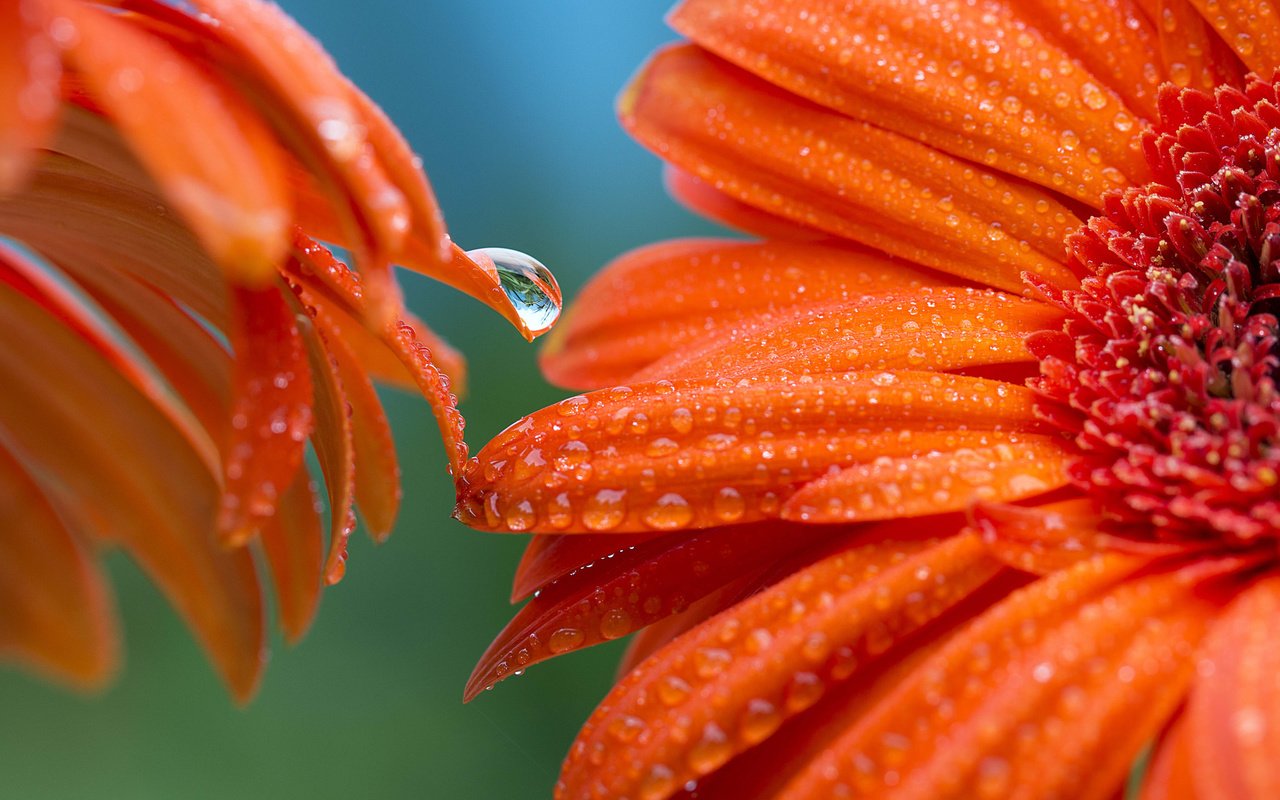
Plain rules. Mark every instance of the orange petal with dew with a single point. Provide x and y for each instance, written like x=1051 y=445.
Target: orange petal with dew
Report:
x=666 y=297
x=1017 y=88
x=316 y=270
x=214 y=160
x=700 y=196
x=294 y=549
x=1057 y=535
x=1007 y=469
x=30 y=71
x=59 y=616
x=128 y=475
x=928 y=328
x=271 y=415
x=730 y=683
x=1056 y=688
x=848 y=178
x=551 y=556
x=1194 y=55
x=630 y=590
x=1248 y=28
x=650 y=640
x=377 y=470
x=1171 y=774
x=700 y=453
x=331 y=437
x=1232 y=738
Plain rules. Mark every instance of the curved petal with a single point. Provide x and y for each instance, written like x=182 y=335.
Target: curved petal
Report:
x=1232 y=736
x=700 y=453
x=552 y=556
x=730 y=683
x=1247 y=29
x=666 y=297
x=1003 y=85
x=1171 y=775
x=30 y=71
x=58 y=613
x=700 y=196
x=294 y=549
x=823 y=170
x=1054 y=689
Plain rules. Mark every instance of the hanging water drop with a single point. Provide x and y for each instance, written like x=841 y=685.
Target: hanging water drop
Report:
x=529 y=286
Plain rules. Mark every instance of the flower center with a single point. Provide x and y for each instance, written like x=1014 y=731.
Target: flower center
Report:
x=1166 y=372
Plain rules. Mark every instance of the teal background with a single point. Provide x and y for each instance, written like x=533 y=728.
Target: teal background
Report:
x=511 y=106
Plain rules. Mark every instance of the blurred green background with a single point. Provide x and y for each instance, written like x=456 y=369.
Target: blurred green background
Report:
x=510 y=104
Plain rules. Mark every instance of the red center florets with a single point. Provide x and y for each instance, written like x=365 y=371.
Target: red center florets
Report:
x=1166 y=372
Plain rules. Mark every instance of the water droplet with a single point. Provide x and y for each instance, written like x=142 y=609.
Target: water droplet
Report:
x=605 y=509
x=671 y=512
x=709 y=662
x=564 y=640
x=759 y=722
x=625 y=728
x=803 y=691
x=673 y=691
x=529 y=286
x=728 y=505
x=711 y=751
x=658 y=783
x=615 y=624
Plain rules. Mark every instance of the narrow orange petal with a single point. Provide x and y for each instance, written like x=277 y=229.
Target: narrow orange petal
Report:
x=271 y=415
x=1007 y=468
x=1171 y=775
x=1232 y=734
x=377 y=470
x=849 y=178
x=650 y=640
x=1193 y=54
x=998 y=85
x=1056 y=688
x=1248 y=28
x=292 y=543
x=664 y=298
x=630 y=590
x=700 y=196
x=126 y=474
x=551 y=556
x=730 y=683
x=58 y=613
x=30 y=71
x=928 y=328
x=699 y=453
x=213 y=159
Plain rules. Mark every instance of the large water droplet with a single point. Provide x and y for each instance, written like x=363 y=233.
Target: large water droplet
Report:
x=530 y=287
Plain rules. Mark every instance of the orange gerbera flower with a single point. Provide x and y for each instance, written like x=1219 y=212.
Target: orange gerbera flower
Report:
x=170 y=337
x=911 y=499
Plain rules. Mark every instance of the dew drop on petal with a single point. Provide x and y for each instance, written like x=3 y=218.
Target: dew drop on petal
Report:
x=530 y=287
x=564 y=640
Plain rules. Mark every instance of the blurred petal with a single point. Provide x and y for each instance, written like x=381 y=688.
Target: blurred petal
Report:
x=58 y=614
x=294 y=549
x=899 y=196
x=30 y=70
x=1171 y=775
x=214 y=159
x=699 y=453
x=665 y=298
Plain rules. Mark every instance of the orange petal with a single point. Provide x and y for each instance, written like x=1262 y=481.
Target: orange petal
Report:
x=377 y=471
x=1008 y=468
x=1054 y=690
x=1193 y=54
x=1171 y=775
x=1046 y=538
x=928 y=328
x=214 y=160
x=1232 y=734
x=650 y=640
x=1019 y=88
x=58 y=614
x=628 y=591
x=730 y=683
x=702 y=197
x=700 y=453
x=823 y=170
x=125 y=473
x=551 y=556
x=291 y=541
x=271 y=413
x=30 y=70
x=665 y=297
x=1248 y=28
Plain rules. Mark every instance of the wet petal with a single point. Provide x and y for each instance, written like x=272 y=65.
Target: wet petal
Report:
x=1171 y=775
x=1021 y=88
x=271 y=414
x=700 y=196
x=1232 y=733
x=58 y=613
x=629 y=590
x=1248 y=28
x=823 y=170
x=664 y=298
x=731 y=682
x=1055 y=688
x=30 y=70
x=551 y=556
x=1194 y=55
x=214 y=160
x=934 y=482
x=698 y=453
x=294 y=548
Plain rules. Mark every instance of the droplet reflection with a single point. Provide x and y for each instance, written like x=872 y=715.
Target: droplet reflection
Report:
x=530 y=287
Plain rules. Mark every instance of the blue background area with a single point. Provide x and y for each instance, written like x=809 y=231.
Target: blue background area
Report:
x=511 y=106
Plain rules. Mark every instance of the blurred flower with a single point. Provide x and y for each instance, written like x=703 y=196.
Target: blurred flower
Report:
x=172 y=336
x=910 y=499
